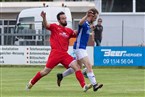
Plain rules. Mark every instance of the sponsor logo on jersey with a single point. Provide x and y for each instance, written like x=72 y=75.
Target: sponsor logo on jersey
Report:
x=64 y=34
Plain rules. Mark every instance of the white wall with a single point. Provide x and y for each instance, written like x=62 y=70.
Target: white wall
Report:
x=133 y=29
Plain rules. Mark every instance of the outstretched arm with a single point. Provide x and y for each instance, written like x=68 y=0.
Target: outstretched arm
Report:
x=83 y=20
x=45 y=23
x=85 y=17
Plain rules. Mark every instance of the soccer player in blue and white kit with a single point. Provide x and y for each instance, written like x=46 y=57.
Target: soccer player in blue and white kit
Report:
x=80 y=49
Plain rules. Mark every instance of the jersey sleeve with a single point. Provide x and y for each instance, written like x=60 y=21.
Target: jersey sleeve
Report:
x=52 y=26
x=80 y=26
x=73 y=35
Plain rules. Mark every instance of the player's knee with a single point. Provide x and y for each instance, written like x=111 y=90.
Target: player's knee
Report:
x=89 y=68
x=80 y=66
x=75 y=66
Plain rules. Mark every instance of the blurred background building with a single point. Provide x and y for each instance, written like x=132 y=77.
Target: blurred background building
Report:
x=115 y=15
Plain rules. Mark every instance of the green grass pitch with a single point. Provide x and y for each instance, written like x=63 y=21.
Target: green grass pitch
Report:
x=118 y=82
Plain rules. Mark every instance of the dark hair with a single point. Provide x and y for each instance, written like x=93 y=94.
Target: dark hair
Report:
x=58 y=15
x=99 y=19
x=94 y=10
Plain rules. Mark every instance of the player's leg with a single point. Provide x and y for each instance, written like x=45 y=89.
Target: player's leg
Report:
x=37 y=77
x=82 y=56
x=70 y=62
x=67 y=72
x=90 y=73
x=70 y=70
x=79 y=76
x=51 y=63
x=89 y=70
x=84 y=71
x=60 y=76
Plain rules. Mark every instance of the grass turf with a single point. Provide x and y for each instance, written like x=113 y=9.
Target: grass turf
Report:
x=124 y=82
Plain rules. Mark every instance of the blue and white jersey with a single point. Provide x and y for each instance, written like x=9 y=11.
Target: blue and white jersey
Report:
x=82 y=36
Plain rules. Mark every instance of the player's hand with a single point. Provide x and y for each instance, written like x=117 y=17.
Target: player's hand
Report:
x=75 y=32
x=90 y=13
x=92 y=27
x=43 y=14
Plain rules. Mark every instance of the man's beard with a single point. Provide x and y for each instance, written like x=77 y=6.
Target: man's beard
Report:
x=64 y=24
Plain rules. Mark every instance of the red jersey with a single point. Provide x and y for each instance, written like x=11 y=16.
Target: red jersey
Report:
x=59 y=38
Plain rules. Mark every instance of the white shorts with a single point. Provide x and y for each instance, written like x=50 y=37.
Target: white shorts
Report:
x=80 y=53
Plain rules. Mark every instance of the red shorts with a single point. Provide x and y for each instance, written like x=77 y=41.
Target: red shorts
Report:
x=57 y=57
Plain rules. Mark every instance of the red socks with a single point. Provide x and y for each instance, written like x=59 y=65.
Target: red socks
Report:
x=80 y=78
x=78 y=74
x=36 y=78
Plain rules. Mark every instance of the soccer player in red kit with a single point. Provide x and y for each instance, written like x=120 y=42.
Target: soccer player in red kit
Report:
x=59 y=41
